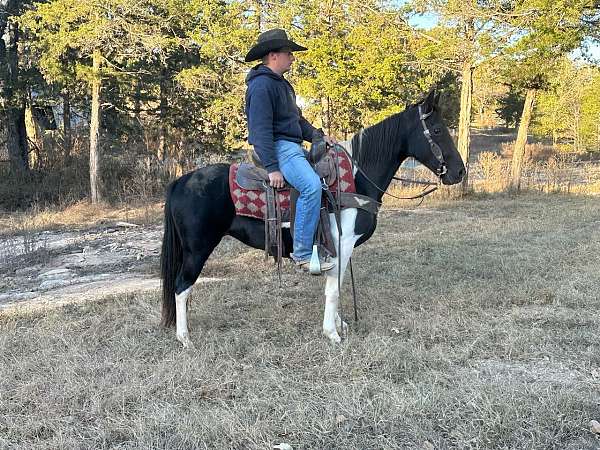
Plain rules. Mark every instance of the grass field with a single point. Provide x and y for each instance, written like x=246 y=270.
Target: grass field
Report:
x=479 y=329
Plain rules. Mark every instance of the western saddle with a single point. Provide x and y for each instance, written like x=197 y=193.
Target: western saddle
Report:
x=325 y=162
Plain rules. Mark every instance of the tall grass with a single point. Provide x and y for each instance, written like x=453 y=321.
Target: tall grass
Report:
x=542 y=171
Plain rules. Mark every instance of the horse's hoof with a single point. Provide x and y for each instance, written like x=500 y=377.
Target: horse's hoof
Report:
x=186 y=342
x=333 y=336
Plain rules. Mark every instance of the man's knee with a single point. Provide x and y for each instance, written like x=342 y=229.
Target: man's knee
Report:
x=312 y=186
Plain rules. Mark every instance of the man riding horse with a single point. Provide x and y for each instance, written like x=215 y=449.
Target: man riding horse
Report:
x=277 y=129
x=200 y=208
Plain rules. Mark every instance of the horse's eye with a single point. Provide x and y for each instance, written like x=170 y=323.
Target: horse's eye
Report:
x=437 y=131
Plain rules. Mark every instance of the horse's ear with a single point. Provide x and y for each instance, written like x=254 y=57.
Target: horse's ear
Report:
x=436 y=100
x=429 y=102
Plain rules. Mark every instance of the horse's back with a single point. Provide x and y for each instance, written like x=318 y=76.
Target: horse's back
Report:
x=205 y=180
x=204 y=193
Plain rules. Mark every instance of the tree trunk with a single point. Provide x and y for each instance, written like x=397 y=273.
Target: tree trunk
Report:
x=598 y=134
x=464 y=122
x=323 y=112
x=518 y=156
x=162 y=139
x=259 y=12
x=137 y=100
x=329 y=120
x=33 y=133
x=576 y=127
x=67 y=123
x=16 y=138
x=12 y=105
x=95 y=128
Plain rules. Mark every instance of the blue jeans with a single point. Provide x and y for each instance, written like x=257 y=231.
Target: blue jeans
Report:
x=299 y=173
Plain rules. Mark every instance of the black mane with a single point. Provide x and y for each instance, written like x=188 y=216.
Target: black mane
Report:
x=380 y=143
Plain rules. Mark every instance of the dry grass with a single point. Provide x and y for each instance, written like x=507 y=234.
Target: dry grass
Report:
x=495 y=172
x=535 y=151
x=479 y=330
x=77 y=216
x=491 y=174
x=546 y=168
x=592 y=188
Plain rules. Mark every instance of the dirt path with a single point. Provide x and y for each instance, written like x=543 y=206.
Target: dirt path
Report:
x=58 y=266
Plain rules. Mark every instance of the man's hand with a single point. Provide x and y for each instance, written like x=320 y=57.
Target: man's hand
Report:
x=276 y=179
x=330 y=140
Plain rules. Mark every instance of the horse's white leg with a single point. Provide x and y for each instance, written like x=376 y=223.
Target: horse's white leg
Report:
x=331 y=317
x=183 y=334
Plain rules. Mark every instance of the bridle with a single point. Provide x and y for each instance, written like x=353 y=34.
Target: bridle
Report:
x=435 y=150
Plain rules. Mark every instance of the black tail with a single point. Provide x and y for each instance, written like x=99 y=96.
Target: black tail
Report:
x=170 y=262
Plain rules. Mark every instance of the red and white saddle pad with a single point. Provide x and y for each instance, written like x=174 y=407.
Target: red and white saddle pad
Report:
x=253 y=203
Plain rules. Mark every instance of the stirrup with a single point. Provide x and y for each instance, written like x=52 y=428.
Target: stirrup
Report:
x=314 y=267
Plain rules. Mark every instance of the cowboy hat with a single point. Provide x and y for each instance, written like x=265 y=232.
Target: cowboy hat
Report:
x=271 y=41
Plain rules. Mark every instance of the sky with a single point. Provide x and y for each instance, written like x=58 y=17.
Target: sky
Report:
x=427 y=21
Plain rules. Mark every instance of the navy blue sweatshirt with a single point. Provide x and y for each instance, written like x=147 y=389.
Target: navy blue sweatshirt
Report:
x=272 y=114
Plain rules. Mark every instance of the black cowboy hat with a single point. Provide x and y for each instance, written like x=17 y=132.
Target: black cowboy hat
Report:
x=271 y=41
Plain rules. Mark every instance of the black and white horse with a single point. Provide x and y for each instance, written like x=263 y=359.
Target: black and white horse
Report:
x=199 y=210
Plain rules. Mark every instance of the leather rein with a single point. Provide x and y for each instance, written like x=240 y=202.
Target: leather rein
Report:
x=435 y=150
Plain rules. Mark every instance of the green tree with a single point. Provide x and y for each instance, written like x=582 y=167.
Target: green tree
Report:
x=551 y=29
x=510 y=107
x=95 y=40
x=226 y=31
x=357 y=69
x=470 y=35
x=569 y=109
x=488 y=93
x=590 y=113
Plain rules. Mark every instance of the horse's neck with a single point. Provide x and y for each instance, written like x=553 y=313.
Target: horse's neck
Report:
x=380 y=174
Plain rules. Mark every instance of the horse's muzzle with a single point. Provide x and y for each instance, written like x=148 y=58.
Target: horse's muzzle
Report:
x=450 y=178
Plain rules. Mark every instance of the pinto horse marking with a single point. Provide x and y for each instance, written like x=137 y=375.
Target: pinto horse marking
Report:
x=199 y=210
